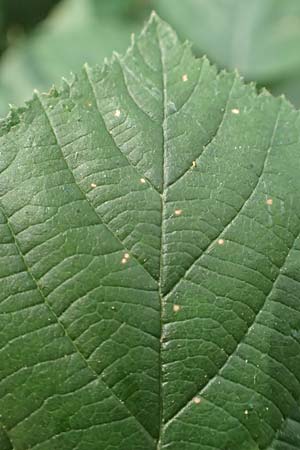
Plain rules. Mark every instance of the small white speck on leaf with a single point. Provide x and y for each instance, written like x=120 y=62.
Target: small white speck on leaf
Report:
x=124 y=260
x=184 y=77
x=235 y=111
x=197 y=400
x=178 y=212
x=142 y=180
x=176 y=308
x=246 y=412
x=93 y=185
x=221 y=242
x=194 y=164
x=269 y=201
x=126 y=255
x=117 y=113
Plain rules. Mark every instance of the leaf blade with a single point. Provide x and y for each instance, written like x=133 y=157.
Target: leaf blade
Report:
x=171 y=279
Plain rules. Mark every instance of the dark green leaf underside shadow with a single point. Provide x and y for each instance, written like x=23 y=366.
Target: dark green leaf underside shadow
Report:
x=149 y=260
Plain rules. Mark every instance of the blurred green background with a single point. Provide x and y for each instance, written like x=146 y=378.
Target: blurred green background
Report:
x=43 y=40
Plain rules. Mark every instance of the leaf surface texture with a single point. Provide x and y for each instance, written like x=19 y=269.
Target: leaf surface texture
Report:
x=149 y=245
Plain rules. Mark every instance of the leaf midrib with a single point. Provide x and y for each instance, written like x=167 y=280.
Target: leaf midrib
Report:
x=161 y=261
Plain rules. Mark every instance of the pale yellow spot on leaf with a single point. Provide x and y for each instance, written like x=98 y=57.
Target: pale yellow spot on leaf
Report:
x=269 y=201
x=221 y=242
x=93 y=185
x=176 y=308
x=184 y=77
x=142 y=180
x=178 y=212
x=117 y=113
x=235 y=111
x=197 y=400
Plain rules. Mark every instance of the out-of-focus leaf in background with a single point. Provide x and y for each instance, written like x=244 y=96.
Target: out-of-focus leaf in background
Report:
x=20 y=16
x=3 y=33
x=289 y=86
x=261 y=38
x=25 y=13
x=126 y=9
x=78 y=31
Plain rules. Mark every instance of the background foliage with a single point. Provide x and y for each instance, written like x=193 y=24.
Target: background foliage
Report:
x=40 y=41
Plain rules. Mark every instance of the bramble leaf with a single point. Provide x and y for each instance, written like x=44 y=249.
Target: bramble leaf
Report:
x=150 y=260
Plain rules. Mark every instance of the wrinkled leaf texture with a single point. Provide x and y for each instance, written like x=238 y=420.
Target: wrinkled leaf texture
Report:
x=149 y=231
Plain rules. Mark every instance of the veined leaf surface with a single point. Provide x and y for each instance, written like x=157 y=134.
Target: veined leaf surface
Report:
x=149 y=239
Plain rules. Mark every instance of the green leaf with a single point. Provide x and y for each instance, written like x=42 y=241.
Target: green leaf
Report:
x=149 y=245
x=75 y=33
x=260 y=38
